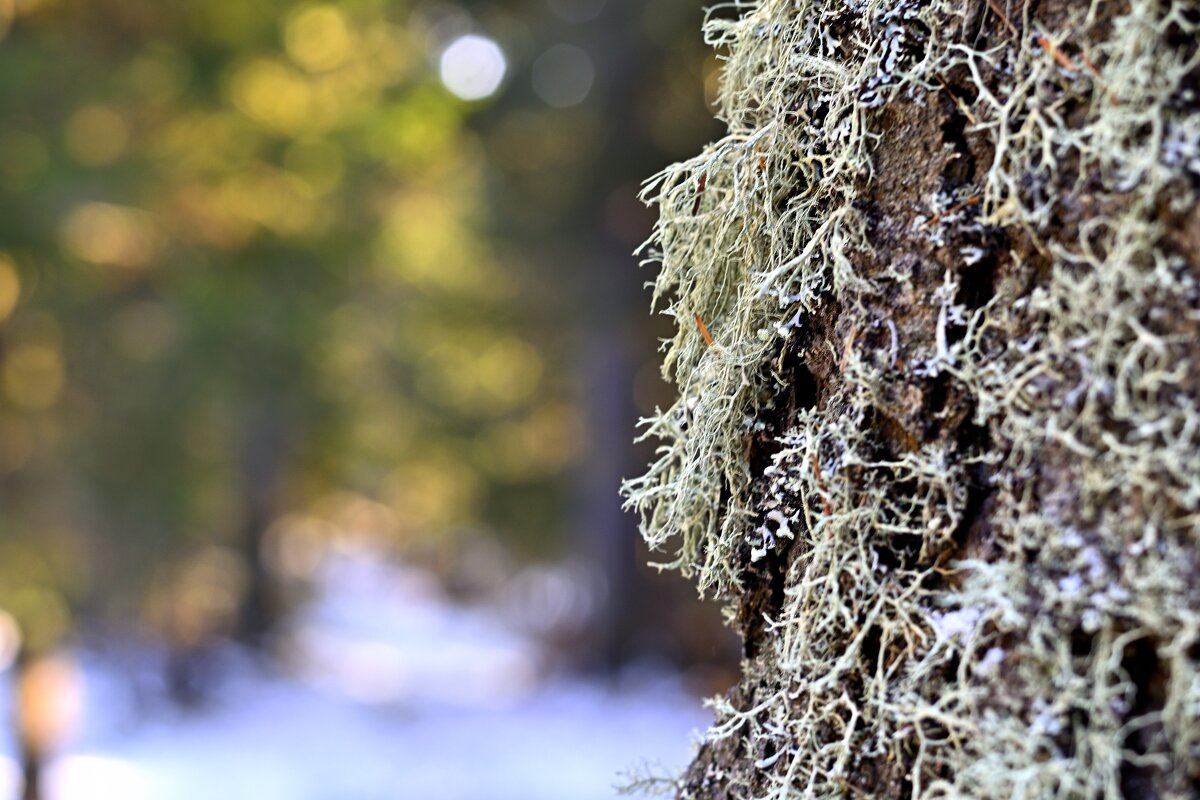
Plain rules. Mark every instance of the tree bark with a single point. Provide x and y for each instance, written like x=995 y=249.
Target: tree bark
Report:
x=941 y=459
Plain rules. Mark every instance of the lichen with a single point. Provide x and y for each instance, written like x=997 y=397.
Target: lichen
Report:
x=997 y=596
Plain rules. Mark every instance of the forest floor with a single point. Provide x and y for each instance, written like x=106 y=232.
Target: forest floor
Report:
x=387 y=691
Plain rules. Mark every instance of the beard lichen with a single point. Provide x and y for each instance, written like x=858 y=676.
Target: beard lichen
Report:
x=967 y=560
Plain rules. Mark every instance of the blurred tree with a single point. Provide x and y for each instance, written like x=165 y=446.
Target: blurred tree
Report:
x=240 y=274
x=606 y=92
x=258 y=267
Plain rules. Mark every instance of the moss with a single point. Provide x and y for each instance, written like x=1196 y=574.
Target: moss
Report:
x=972 y=554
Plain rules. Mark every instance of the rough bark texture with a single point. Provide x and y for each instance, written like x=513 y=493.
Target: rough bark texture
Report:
x=942 y=460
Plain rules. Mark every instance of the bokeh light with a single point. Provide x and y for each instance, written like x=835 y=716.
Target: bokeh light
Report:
x=97 y=135
x=563 y=76
x=10 y=287
x=473 y=67
x=33 y=375
x=112 y=235
x=319 y=38
x=577 y=10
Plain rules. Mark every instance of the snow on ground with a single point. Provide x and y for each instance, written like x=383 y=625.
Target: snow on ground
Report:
x=390 y=692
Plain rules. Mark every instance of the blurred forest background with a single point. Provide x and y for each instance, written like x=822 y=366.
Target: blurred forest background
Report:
x=281 y=280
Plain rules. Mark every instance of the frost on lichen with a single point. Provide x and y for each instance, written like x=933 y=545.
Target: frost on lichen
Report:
x=942 y=457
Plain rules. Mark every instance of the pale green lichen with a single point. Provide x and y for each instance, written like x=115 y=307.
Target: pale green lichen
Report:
x=897 y=654
x=759 y=224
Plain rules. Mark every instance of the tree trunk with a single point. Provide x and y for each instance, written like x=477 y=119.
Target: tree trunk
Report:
x=941 y=457
x=48 y=704
x=31 y=747
x=31 y=771
x=263 y=459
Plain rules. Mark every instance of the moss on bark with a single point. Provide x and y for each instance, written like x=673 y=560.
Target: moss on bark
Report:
x=942 y=458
